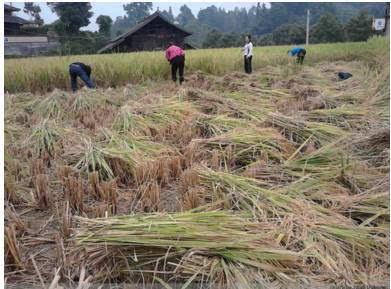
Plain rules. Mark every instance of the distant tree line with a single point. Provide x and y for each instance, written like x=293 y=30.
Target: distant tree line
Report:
x=276 y=24
x=280 y=23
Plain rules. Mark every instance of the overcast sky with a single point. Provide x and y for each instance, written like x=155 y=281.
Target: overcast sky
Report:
x=114 y=9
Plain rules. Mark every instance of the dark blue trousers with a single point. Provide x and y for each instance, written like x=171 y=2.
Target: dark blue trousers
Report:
x=75 y=71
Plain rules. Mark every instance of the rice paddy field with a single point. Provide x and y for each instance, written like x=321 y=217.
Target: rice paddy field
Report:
x=278 y=179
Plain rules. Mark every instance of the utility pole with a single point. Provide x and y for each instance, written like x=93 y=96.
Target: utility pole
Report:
x=387 y=18
x=308 y=28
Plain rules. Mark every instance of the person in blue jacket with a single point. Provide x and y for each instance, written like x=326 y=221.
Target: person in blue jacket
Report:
x=78 y=69
x=300 y=52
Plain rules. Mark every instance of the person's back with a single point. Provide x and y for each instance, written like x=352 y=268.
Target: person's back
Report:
x=174 y=51
x=86 y=68
x=296 y=50
x=299 y=52
x=78 y=69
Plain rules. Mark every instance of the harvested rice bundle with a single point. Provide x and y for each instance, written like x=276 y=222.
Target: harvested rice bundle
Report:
x=373 y=145
x=84 y=102
x=121 y=157
x=242 y=193
x=88 y=158
x=44 y=137
x=210 y=103
x=328 y=161
x=141 y=145
x=216 y=125
x=299 y=131
x=244 y=146
x=171 y=112
x=348 y=117
x=162 y=120
x=222 y=245
x=234 y=238
x=53 y=105
x=272 y=175
x=127 y=121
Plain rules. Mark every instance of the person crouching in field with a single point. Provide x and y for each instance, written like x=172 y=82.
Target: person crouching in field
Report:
x=248 y=55
x=176 y=56
x=300 y=52
x=78 y=69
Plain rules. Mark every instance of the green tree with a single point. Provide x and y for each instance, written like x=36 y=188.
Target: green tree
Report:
x=289 y=34
x=359 y=28
x=212 y=39
x=73 y=15
x=231 y=40
x=137 y=11
x=209 y=16
x=169 y=15
x=266 y=40
x=328 y=29
x=33 y=10
x=105 y=22
x=185 y=16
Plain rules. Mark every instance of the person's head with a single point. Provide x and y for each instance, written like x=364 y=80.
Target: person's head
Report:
x=248 y=38
x=171 y=43
x=88 y=68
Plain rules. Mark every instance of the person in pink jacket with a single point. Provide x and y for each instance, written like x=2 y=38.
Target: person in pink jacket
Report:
x=176 y=56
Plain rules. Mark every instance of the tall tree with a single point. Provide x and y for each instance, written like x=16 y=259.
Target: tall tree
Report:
x=33 y=10
x=212 y=39
x=328 y=29
x=209 y=16
x=359 y=28
x=73 y=15
x=289 y=34
x=185 y=16
x=168 y=14
x=137 y=11
x=105 y=22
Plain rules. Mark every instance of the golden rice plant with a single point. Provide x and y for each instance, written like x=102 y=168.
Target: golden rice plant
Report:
x=246 y=145
x=44 y=137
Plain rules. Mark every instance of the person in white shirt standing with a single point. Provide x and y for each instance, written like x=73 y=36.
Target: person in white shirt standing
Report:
x=248 y=54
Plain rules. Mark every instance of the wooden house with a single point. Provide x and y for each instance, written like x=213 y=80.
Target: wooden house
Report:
x=19 y=43
x=153 y=33
x=12 y=23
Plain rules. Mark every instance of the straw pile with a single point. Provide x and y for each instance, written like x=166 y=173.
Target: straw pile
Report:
x=236 y=184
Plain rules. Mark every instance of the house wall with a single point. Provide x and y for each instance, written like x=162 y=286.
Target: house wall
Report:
x=11 y=28
x=30 y=48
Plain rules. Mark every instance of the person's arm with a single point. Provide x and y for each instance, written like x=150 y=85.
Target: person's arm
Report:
x=250 y=49
x=167 y=55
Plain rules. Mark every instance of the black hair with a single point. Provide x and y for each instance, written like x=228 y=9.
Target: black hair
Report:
x=88 y=70
x=249 y=37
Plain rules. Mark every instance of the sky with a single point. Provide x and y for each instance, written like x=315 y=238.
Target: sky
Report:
x=114 y=9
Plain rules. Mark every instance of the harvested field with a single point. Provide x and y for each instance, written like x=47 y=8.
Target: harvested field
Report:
x=231 y=181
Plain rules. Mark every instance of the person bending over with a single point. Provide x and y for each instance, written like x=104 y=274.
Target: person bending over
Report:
x=300 y=52
x=176 y=56
x=78 y=69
